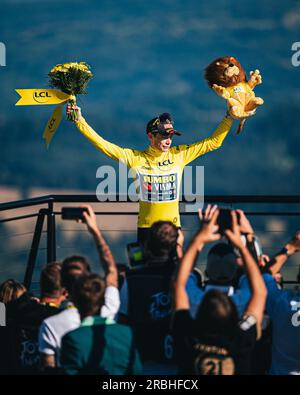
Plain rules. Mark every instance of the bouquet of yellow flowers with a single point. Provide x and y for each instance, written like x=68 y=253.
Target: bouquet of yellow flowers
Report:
x=71 y=78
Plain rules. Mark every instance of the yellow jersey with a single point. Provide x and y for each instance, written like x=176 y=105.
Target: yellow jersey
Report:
x=158 y=173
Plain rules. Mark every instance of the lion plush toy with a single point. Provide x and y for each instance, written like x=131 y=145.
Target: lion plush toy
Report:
x=228 y=79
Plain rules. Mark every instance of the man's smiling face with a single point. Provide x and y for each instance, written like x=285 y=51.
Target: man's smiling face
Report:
x=162 y=142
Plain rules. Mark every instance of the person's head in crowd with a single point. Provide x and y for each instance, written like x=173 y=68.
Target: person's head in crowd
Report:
x=88 y=295
x=162 y=239
x=221 y=267
x=73 y=267
x=51 y=287
x=217 y=314
x=11 y=290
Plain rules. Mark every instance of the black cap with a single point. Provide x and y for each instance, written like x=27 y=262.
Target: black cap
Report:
x=157 y=125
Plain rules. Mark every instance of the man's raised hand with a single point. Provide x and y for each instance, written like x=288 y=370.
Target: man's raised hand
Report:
x=208 y=213
x=293 y=246
x=70 y=111
x=245 y=225
x=234 y=234
x=209 y=229
x=89 y=218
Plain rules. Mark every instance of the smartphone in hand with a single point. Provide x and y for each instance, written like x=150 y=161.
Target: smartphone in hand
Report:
x=224 y=220
x=72 y=213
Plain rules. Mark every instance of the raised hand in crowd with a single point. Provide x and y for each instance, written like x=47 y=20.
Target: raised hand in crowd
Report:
x=105 y=254
x=251 y=240
x=207 y=233
x=292 y=247
x=244 y=224
x=257 y=302
x=234 y=234
x=208 y=213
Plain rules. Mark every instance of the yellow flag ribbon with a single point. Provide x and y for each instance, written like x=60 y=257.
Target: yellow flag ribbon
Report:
x=39 y=97
x=52 y=125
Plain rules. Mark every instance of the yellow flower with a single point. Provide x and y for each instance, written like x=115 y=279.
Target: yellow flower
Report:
x=59 y=67
x=66 y=66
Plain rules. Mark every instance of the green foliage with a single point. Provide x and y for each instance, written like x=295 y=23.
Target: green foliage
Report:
x=71 y=78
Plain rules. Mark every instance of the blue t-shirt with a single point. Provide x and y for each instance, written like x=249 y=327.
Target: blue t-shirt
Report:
x=283 y=307
x=240 y=295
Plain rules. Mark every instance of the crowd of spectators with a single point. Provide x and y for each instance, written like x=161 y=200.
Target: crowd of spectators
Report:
x=163 y=316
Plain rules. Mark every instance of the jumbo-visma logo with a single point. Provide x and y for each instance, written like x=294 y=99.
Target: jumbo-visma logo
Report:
x=41 y=97
x=158 y=188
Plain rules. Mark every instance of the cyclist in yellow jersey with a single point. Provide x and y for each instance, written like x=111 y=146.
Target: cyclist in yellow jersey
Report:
x=158 y=168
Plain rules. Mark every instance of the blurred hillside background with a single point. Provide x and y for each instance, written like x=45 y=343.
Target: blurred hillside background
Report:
x=148 y=57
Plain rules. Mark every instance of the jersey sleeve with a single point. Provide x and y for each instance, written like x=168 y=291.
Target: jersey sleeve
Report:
x=47 y=343
x=192 y=151
x=113 y=151
x=111 y=302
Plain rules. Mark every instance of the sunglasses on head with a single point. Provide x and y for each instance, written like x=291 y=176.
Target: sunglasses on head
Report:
x=163 y=132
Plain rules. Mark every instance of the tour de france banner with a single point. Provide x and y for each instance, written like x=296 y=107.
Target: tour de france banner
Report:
x=71 y=79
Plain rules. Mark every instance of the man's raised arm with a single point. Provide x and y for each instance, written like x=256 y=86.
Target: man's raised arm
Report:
x=276 y=263
x=111 y=297
x=113 y=151
x=105 y=255
x=192 y=151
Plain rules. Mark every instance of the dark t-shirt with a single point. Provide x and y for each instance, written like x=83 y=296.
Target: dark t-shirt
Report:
x=149 y=311
x=213 y=355
x=20 y=336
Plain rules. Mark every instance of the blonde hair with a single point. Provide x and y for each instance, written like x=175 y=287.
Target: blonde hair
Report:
x=11 y=290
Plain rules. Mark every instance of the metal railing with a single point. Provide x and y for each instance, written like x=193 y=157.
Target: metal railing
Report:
x=48 y=213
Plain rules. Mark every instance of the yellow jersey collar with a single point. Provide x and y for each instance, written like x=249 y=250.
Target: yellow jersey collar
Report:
x=154 y=151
